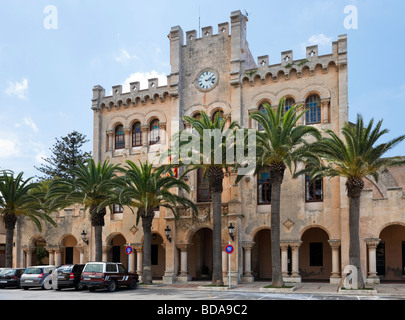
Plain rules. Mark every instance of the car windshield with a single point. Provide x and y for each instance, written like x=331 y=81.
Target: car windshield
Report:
x=33 y=271
x=6 y=272
x=93 y=267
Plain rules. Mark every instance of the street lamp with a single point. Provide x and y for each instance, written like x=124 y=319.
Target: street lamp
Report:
x=230 y=230
x=84 y=237
x=167 y=231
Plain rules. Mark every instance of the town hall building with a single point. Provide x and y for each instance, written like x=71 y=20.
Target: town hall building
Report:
x=213 y=73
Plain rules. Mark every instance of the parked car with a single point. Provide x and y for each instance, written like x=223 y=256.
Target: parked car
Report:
x=11 y=277
x=67 y=276
x=108 y=275
x=38 y=276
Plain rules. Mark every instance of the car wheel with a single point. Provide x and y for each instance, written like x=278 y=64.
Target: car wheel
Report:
x=25 y=288
x=92 y=289
x=112 y=286
x=133 y=284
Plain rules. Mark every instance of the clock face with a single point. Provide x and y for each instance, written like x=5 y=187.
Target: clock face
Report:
x=206 y=80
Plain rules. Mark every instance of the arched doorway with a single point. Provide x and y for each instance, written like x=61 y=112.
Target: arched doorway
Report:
x=200 y=255
x=117 y=253
x=261 y=256
x=71 y=254
x=158 y=257
x=40 y=255
x=315 y=261
x=390 y=254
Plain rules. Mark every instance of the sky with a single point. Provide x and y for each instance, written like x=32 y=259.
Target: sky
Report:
x=52 y=53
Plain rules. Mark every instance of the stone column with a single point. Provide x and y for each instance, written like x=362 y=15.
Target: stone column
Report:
x=372 y=260
x=183 y=276
x=145 y=140
x=106 y=252
x=58 y=255
x=284 y=259
x=81 y=247
x=295 y=276
x=28 y=251
x=335 y=277
x=139 y=259
x=247 y=250
x=110 y=135
x=127 y=135
x=51 y=255
x=325 y=110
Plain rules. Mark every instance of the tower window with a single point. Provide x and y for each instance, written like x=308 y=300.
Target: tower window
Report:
x=154 y=133
x=264 y=188
x=136 y=135
x=313 y=106
x=119 y=137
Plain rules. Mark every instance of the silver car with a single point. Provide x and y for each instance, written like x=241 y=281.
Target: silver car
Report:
x=38 y=276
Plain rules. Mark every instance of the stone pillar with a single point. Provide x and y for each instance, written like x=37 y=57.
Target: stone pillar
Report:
x=106 y=251
x=145 y=140
x=139 y=260
x=247 y=272
x=325 y=110
x=335 y=277
x=183 y=276
x=81 y=248
x=58 y=255
x=28 y=251
x=110 y=135
x=224 y=262
x=51 y=255
x=295 y=276
x=372 y=260
x=127 y=135
x=284 y=259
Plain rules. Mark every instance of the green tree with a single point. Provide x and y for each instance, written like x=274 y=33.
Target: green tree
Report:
x=282 y=144
x=18 y=198
x=92 y=184
x=66 y=154
x=355 y=157
x=146 y=189
x=210 y=154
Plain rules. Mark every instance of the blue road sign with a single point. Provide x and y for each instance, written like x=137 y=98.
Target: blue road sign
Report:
x=128 y=250
x=229 y=249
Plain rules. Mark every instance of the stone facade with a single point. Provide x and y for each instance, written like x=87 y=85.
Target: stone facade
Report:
x=314 y=230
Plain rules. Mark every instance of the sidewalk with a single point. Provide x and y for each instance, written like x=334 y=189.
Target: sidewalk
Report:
x=301 y=288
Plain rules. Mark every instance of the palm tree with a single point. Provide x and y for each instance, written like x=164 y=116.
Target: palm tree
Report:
x=281 y=144
x=355 y=158
x=212 y=158
x=17 y=198
x=146 y=189
x=93 y=185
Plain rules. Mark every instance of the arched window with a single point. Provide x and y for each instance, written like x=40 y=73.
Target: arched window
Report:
x=203 y=190
x=261 y=108
x=154 y=132
x=264 y=187
x=119 y=137
x=313 y=105
x=221 y=115
x=289 y=102
x=313 y=190
x=137 y=135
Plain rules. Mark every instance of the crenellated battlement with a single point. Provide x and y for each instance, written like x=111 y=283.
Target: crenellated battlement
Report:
x=288 y=66
x=133 y=98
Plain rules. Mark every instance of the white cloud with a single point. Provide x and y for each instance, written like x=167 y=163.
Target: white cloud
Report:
x=143 y=77
x=317 y=39
x=30 y=123
x=9 y=148
x=125 y=56
x=18 y=89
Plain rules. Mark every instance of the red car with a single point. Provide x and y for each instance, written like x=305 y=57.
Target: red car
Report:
x=108 y=275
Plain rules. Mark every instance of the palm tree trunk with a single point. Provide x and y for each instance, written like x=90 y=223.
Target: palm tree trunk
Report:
x=354 y=230
x=147 y=246
x=215 y=180
x=97 y=221
x=217 y=278
x=276 y=181
x=9 y=220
